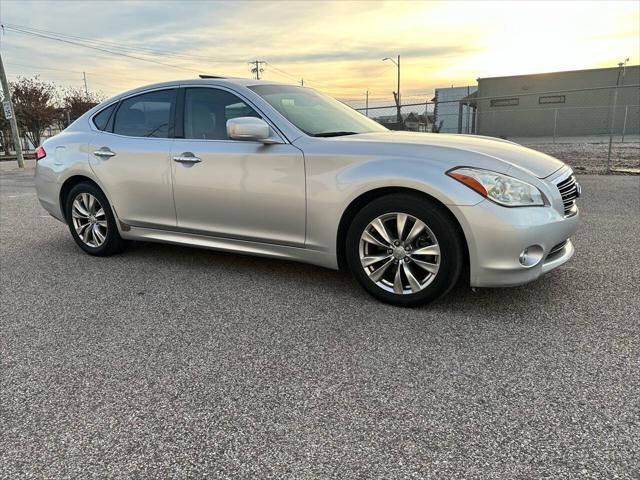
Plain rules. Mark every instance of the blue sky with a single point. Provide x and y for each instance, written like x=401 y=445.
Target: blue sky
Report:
x=335 y=46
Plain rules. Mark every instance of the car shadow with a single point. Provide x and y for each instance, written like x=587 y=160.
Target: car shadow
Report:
x=552 y=287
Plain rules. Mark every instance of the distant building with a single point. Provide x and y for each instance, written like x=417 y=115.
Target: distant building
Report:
x=560 y=104
x=448 y=117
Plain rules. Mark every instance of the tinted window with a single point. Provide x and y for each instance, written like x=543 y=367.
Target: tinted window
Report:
x=206 y=111
x=146 y=115
x=101 y=119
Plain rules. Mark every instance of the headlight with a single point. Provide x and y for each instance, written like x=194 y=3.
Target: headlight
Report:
x=502 y=189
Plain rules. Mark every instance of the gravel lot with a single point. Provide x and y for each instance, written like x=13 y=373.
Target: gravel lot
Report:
x=171 y=362
x=592 y=157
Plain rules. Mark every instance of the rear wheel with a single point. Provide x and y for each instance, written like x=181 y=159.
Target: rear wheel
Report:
x=91 y=221
x=405 y=250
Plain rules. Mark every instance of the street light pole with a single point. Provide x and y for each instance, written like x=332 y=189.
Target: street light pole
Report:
x=396 y=94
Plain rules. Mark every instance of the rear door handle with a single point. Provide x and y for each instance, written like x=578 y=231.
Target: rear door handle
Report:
x=104 y=152
x=187 y=157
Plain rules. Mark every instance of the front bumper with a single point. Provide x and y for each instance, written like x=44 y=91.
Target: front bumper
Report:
x=496 y=236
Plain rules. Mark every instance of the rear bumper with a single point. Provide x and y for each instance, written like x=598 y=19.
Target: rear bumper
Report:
x=496 y=236
x=47 y=184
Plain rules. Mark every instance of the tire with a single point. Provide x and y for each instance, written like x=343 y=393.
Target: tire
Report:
x=433 y=254
x=99 y=236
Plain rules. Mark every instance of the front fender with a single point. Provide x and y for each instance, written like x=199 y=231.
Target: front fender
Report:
x=330 y=191
x=414 y=174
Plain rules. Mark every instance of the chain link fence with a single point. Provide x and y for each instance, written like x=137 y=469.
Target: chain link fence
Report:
x=595 y=129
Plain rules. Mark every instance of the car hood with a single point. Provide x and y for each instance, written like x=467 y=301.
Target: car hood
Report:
x=537 y=163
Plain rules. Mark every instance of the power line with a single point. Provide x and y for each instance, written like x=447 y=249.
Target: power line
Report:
x=282 y=72
x=37 y=68
x=45 y=68
x=297 y=77
x=115 y=45
x=104 y=50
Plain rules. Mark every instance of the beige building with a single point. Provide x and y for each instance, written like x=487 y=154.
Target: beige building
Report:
x=561 y=104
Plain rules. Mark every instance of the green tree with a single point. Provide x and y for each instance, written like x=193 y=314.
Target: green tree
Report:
x=33 y=103
x=74 y=102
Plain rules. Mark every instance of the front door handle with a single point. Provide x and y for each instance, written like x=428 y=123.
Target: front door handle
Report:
x=187 y=157
x=104 y=152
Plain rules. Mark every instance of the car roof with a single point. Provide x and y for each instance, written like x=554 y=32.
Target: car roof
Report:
x=229 y=81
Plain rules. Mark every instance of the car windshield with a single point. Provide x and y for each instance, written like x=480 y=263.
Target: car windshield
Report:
x=316 y=114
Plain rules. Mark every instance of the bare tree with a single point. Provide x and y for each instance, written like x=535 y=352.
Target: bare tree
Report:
x=33 y=102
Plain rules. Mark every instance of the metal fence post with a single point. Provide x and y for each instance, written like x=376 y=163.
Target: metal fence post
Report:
x=611 y=128
x=555 y=124
x=474 y=127
x=624 y=124
x=467 y=128
x=426 y=116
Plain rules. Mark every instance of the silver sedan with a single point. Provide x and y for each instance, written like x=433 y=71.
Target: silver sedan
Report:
x=284 y=171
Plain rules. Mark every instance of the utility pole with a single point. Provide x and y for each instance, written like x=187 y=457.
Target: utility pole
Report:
x=9 y=115
x=366 y=103
x=399 y=99
x=86 y=90
x=396 y=94
x=256 y=68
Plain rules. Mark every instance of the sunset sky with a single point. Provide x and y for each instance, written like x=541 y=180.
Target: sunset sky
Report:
x=336 y=47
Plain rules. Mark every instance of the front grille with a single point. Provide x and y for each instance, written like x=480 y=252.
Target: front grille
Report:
x=569 y=192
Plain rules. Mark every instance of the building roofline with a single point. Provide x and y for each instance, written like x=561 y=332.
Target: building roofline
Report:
x=554 y=72
x=454 y=86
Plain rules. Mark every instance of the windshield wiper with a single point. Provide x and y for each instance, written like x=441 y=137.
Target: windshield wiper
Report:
x=334 y=134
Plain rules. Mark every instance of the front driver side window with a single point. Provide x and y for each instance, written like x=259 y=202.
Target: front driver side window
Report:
x=206 y=111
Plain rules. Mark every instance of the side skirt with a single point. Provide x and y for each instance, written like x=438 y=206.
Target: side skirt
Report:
x=322 y=259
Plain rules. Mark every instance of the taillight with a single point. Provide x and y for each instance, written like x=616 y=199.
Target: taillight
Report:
x=40 y=153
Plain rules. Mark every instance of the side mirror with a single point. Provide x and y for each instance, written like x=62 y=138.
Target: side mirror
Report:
x=250 y=128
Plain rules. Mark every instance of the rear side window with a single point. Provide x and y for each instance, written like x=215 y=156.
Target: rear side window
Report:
x=146 y=115
x=101 y=119
x=206 y=111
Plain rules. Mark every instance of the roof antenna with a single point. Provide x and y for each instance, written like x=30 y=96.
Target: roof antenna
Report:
x=210 y=76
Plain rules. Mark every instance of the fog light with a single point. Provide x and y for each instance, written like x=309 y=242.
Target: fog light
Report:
x=531 y=256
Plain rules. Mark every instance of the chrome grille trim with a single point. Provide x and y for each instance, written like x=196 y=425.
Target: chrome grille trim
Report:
x=568 y=189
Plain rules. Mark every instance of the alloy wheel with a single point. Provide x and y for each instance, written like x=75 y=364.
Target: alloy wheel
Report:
x=399 y=253
x=89 y=220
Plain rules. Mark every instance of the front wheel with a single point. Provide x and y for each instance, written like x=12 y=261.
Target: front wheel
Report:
x=404 y=250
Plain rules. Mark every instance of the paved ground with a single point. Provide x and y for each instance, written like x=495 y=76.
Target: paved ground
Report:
x=170 y=362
